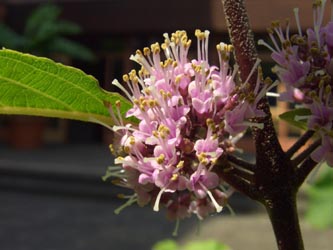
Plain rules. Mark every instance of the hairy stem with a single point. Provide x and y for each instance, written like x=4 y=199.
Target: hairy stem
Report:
x=274 y=175
x=284 y=219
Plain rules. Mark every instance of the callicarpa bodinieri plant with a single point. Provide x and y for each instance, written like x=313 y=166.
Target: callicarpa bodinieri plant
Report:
x=180 y=117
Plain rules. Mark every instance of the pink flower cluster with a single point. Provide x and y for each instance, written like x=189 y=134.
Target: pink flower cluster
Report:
x=305 y=64
x=189 y=112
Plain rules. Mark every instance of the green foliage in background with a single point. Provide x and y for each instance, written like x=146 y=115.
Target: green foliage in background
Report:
x=320 y=210
x=193 y=245
x=44 y=34
x=296 y=117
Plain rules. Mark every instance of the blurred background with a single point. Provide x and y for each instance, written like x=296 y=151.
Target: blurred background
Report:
x=51 y=192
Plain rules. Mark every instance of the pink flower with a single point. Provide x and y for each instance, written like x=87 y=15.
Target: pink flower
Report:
x=324 y=152
x=304 y=64
x=322 y=116
x=181 y=105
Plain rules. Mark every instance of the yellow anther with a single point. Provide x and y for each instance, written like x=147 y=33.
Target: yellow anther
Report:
x=178 y=79
x=119 y=158
x=115 y=181
x=147 y=91
x=200 y=34
x=174 y=177
x=180 y=164
x=145 y=103
x=315 y=51
x=155 y=48
x=121 y=196
x=138 y=52
x=275 y=24
x=127 y=149
x=125 y=78
x=268 y=81
x=132 y=75
x=160 y=159
x=328 y=89
x=155 y=133
x=132 y=140
x=152 y=103
x=146 y=51
x=286 y=44
x=136 y=101
x=214 y=161
x=118 y=104
x=317 y=3
x=202 y=157
x=210 y=122
x=164 y=45
x=113 y=150
x=204 y=161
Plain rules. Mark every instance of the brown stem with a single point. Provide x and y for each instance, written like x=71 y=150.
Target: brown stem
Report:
x=274 y=184
x=241 y=36
x=240 y=162
x=304 y=170
x=284 y=219
x=299 y=143
x=305 y=154
x=242 y=185
x=242 y=181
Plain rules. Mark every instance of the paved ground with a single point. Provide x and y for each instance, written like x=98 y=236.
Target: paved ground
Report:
x=53 y=199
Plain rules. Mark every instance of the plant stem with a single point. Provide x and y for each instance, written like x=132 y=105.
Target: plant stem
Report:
x=283 y=214
x=299 y=143
x=275 y=179
x=306 y=153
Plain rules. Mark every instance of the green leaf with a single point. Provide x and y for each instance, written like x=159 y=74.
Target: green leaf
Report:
x=206 y=245
x=320 y=210
x=192 y=245
x=294 y=117
x=166 y=245
x=31 y=85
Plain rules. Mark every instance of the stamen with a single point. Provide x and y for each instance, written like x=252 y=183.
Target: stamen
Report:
x=273 y=94
x=331 y=10
x=216 y=205
x=116 y=83
x=298 y=23
x=254 y=124
x=130 y=201
x=175 y=231
x=254 y=68
x=158 y=198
